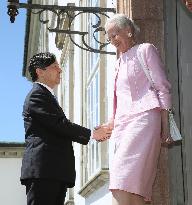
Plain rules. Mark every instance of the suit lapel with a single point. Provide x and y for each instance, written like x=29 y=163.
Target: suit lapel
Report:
x=48 y=93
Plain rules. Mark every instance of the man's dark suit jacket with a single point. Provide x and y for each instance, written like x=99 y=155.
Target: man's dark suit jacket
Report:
x=49 y=136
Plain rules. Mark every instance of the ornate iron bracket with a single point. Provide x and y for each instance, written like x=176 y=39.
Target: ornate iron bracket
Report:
x=71 y=12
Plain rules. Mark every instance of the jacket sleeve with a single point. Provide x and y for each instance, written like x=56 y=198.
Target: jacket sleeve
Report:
x=158 y=75
x=45 y=112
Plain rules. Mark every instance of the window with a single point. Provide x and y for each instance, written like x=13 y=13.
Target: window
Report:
x=93 y=119
x=93 y=95
x=95 y=155
x=93 y=20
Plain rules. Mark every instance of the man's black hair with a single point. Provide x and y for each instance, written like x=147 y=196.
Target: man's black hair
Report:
x=40 y=60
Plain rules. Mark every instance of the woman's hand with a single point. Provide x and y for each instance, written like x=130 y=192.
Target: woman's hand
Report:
x=109 y=126
x=165 y=130
x=102 y=132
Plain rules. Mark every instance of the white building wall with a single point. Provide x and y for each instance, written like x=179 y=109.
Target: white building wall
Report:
x=101 y=196
x=11 y=190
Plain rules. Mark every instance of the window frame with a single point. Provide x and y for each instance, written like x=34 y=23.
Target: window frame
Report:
x=93 y=180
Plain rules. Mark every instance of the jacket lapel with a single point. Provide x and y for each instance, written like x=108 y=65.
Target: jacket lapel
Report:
x=114 y=90
x=48 y=93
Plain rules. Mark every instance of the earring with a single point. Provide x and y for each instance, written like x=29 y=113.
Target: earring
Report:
x=129 y=35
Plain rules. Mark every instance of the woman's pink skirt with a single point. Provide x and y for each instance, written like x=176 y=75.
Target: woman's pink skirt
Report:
x=136 y=146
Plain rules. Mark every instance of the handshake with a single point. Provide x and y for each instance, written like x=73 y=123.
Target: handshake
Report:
x=102 y=132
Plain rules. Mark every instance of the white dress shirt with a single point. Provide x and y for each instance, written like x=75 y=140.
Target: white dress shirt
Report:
x=46 y=86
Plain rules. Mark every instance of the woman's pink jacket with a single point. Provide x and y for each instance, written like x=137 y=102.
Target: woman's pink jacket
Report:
x=144 y=97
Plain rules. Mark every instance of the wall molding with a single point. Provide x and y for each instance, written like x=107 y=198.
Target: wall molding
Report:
x=11 y=150
x=97 y=181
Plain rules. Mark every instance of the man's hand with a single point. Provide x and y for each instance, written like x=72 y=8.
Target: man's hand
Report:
x=102 y=133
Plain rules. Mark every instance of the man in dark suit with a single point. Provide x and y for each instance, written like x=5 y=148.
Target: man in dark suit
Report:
x=48 y=166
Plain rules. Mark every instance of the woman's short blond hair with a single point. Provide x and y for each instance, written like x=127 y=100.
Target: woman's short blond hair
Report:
x=122 y=21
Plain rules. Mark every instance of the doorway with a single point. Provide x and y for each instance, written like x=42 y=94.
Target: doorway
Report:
x=178 y=34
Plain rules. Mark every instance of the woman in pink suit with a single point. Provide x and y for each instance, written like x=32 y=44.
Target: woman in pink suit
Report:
x=140 y=120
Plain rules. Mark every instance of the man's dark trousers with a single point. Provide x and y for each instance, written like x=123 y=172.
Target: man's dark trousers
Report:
x=45 y=192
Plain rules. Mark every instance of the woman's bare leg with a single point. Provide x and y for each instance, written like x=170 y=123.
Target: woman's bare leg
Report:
x=121 y=197
x=137 y=200
x=126 y=198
